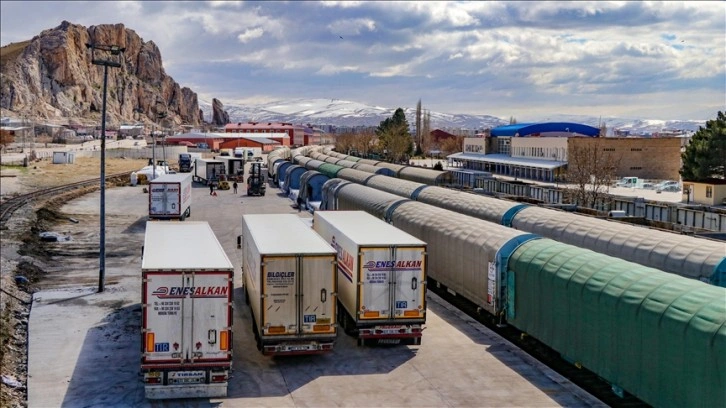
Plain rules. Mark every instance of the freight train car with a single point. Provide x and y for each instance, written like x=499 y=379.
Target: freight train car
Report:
x=659 y=336
x=311 y=190
x=693 y=257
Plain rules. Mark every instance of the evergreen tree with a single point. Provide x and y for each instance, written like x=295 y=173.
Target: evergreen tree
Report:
x=393 y=136
x=705 y=155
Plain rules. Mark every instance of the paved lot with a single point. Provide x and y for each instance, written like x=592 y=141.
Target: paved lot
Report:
x=84 y=346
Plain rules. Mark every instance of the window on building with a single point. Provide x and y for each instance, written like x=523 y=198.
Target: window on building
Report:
x=709 y=192
x=609 y=149
x=636 y=168
x=636 y=149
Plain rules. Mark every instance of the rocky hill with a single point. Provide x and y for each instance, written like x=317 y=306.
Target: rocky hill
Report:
x=51 y=77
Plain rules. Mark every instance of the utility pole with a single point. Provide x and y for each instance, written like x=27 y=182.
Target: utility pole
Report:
x=115 y=51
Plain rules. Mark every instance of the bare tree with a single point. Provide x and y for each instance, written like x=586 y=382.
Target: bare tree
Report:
x=344 y=142
x=418 y=127
x=591 y=169
x=364 y=142
x=426 y=141
x=452 y=145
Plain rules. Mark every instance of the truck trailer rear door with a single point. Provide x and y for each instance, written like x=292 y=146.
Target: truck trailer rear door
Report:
x=409 y=292
x=164 y=199
x=188 y=317
x=376 y=281
x=279 y=297
x=316 y=287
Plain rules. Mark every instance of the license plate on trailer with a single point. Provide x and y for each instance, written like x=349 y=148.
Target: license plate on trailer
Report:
x=389 y=341
x=186 y=377
x=298 y=348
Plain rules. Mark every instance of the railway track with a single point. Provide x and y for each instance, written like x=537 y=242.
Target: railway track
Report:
x=581 y=377
x=11 y=205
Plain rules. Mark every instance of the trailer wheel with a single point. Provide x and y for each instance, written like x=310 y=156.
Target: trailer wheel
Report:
x=361 y=342
x=247 y=298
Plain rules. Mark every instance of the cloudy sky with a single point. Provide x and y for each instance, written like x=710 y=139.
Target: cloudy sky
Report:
x=659 y=60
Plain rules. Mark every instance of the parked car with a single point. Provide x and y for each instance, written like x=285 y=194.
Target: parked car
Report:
x=668 y=185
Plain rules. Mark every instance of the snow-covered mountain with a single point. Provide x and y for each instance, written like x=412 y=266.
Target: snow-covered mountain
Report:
x=348 y=113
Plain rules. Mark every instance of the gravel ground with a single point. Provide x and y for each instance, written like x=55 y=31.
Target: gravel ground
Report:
x=25 y=262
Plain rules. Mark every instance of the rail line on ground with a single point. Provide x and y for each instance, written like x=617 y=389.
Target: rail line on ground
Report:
x=8 y=207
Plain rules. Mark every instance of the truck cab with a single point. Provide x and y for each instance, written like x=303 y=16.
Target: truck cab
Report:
x=627 y=182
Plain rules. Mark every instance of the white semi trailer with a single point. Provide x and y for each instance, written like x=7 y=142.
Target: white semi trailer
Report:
x=381 y=277
x=186 y=321
x=170 y=196
x=209 y=171
x=289 y=275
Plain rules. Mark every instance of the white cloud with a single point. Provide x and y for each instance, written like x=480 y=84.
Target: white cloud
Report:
x=250 y=34
x=522 y=53
x=350 y=27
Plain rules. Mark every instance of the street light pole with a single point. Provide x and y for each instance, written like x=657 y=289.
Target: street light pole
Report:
x=115 y=51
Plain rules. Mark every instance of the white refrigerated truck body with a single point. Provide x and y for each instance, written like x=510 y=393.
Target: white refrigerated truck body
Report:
x=381 y=276
x=186 y=322
x=170 y=196
x=289 y=274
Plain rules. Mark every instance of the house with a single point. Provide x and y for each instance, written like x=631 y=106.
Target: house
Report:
x=707 y=192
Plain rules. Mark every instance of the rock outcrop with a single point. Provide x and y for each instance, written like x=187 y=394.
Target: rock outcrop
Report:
x=220 y=117
x=52 y=77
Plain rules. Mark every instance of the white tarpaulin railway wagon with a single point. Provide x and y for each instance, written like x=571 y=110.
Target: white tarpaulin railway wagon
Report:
x=289 y=273
x=186 y=322
x=381 y=277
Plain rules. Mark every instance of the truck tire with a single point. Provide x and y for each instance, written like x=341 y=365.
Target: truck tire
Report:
x=361 y=342
x=247 y=298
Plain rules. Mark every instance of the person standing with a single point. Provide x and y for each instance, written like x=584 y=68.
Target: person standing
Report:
x=234 y=186
x=211 y=188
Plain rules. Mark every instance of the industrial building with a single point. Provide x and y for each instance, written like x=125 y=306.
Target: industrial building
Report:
x=299 y=135
x=540 y=151
x=215 y=141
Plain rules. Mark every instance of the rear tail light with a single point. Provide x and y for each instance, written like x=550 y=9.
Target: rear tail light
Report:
x=219 y=378
x=153 y=380
x=369 y=313
x=150 y=342
x=224 y=340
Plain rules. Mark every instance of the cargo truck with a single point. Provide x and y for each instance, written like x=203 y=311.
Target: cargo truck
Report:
x=170 y=196
x=185 y=163
x=235 y=167
x=209 y=171
x=381 y=277
x=249 y=153
x=186 y=304
x=289 y=275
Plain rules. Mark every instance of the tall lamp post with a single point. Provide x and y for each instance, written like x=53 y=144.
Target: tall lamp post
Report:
x=115 y=62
